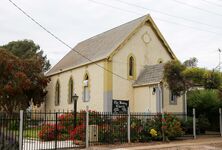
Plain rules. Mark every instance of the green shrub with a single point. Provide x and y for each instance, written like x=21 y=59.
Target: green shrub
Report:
x=202 y=123
x=113 y=130
x=13 y=125
x=136 y=128
x=171 y=126
x=187 y=126
x=206 y=104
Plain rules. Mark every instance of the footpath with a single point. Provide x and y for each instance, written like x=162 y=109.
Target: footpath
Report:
x=201 y=143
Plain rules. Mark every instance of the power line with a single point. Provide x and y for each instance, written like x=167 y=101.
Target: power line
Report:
x=167 y=14
x=212 y=3
x=171 y=22
x=111 y=6
x=61 y=41
x=195 y=7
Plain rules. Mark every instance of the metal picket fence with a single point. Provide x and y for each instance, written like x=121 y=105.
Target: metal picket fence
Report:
x=9 y=135
x=53 y=130
x=60 y=130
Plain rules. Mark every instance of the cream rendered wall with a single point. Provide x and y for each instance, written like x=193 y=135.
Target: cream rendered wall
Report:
x=146 y=54
x=179 y=107
x=145 y=101
x=95 y=84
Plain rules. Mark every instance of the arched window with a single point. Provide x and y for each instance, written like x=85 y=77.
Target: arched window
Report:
x=70 y=92
x=86 y=96
x=57 y=93
x=131 y=66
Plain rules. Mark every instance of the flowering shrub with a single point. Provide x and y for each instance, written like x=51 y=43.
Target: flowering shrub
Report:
x=78 y=133
x=67 y=121
x=171 y=126
x=65 y=129
x=113 y=128
x=137 y=129
x=111 y=133
x=49 y=132
x=94 y=117
x=153 y=132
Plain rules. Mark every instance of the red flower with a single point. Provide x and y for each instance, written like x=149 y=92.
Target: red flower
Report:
x=164 y=127
x=9 y=88
x=78 y=133
x=163 y=120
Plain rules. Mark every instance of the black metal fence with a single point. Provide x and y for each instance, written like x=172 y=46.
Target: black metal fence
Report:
x=109 y=128
x=57 y=130
x=53 y=130
x=9 y=136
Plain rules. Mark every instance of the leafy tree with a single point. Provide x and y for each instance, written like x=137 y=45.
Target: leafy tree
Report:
x=174 y=77
x=212 y=80
x=194 y=76
x=180 y=78
x=27 y=49
x=21 y=80
x=192 y=62
x=206 y=103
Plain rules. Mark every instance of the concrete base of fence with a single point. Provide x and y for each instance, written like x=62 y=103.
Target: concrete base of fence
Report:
x=36 y=145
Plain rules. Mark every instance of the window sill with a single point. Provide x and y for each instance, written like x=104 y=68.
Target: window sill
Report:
x=173 y=103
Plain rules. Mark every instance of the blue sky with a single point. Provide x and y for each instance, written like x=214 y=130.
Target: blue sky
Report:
x=193 y=28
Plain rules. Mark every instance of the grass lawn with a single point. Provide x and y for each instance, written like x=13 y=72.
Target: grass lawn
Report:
x=31 y=133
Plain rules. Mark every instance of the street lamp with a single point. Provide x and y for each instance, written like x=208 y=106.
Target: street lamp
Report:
x=74 y=99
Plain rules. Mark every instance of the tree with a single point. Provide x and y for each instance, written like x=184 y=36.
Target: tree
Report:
x=192 y=62
x=181 y=78
x=174 y=77
x=27 y=49
x=21 y=80
x=206 y=104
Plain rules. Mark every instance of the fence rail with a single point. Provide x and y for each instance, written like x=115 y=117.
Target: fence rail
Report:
x=58 y=130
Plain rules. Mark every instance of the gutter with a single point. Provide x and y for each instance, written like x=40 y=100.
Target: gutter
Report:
x=160 y=98
x=147 y=84
x=75 y=67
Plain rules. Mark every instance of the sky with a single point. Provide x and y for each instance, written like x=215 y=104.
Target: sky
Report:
x=192 y=28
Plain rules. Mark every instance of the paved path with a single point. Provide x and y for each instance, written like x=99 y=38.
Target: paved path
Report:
x=37 y=145
x=198 y=144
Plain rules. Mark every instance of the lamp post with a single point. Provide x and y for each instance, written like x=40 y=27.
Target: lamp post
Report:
x=75 y=98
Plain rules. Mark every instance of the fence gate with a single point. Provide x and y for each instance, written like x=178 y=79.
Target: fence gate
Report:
x=53 y=130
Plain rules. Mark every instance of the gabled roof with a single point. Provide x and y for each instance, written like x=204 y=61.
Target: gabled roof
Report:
x=102 y=46
x=151 y=74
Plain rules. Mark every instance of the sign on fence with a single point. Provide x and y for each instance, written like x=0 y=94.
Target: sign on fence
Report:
x=120 y=106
